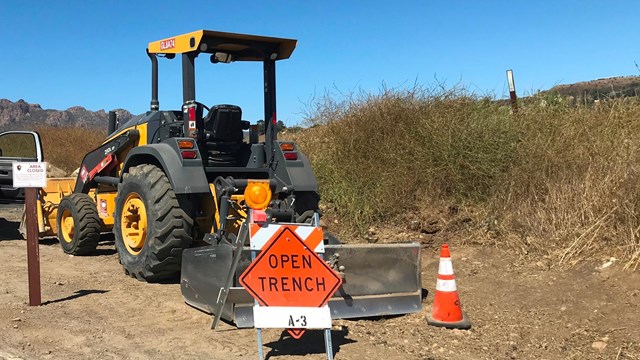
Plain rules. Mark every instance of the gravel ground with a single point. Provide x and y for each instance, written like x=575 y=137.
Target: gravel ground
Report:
x=520 y=309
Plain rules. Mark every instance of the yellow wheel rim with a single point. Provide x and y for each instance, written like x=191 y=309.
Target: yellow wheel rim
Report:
x=67 y=226
x=134 y=223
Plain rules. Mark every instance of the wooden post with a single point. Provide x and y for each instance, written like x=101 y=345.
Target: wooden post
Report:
x=512 y=91
x=33 y=252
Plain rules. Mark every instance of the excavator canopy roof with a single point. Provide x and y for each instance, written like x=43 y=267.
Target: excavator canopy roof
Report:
x=240 y=46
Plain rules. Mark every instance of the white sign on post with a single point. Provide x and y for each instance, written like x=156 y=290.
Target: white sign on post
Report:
x=29 y=174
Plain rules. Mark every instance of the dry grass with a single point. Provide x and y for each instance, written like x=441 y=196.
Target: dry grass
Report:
x=555 y=180
x=66 y=147
x=575 y=187
x=380 y=155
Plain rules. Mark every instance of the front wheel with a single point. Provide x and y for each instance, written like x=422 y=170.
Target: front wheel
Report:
x=78 y=224
x=151 y=229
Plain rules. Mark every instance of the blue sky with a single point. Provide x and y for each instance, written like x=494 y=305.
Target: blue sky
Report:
x=91 y=53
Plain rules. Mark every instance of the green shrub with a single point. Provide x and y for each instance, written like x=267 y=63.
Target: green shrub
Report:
x=385 y=152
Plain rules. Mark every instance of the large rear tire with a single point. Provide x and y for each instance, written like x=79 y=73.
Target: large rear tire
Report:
x=78 y=224
x=151 y=229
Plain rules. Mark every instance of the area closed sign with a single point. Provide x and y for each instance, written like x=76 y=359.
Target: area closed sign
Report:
x=29 y=174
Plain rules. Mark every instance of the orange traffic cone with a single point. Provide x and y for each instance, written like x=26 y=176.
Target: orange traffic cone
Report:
x=446 y=304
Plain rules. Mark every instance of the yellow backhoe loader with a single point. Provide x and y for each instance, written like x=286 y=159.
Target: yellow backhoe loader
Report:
x=173 y=185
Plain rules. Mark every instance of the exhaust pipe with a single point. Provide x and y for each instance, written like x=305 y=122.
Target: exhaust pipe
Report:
x=113 y=122
x=155 y=104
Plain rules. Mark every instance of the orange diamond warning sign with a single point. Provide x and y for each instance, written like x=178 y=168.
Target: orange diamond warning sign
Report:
x=288 y=273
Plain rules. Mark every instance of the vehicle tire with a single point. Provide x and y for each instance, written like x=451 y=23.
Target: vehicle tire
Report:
x=78 y=224
x=150 y=227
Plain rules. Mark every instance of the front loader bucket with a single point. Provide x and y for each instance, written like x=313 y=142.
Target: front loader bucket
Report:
x=381 y=279
x=48 y=199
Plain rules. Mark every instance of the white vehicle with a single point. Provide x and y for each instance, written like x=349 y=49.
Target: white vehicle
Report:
x=17 y=146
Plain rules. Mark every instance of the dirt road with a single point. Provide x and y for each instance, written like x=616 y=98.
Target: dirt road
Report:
x=520 y=309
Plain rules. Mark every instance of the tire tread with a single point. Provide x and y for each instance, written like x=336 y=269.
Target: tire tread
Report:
x=171 y=232
x=87 y=224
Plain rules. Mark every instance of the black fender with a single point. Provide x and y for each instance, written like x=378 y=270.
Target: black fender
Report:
x=296 y=175
x=186 y=176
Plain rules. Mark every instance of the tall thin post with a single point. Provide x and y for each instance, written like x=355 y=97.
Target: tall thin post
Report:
x=512 y=91
x=33 y=253
x=270 y=117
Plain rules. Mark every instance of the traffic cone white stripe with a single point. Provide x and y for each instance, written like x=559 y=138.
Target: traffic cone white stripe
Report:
x=445 y=267
x=446 y=285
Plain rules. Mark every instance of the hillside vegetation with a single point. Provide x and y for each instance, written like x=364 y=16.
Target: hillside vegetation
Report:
x=553 y=181
x=600 y=89
x=559 y=182
x=65 y=147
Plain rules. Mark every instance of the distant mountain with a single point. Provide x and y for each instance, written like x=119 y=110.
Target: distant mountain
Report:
x=600 y=89
x=21 y=115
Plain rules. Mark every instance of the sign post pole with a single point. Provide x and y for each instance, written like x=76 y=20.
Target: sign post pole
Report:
x=31 y=176
x=512 y=91
x=33 y=251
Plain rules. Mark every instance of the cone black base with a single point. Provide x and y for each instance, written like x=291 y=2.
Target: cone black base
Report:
x=464 y=324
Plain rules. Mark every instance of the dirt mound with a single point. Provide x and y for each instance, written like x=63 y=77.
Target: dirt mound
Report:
x=55 y=172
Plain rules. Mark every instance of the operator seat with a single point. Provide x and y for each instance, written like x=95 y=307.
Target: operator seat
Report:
x=223 y=135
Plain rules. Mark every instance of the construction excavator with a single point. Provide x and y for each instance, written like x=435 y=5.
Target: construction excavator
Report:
x=176 y=186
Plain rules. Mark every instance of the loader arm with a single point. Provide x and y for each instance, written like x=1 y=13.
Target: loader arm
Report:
x=103 y=159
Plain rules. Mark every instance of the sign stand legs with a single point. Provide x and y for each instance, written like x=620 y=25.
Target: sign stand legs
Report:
x=327 y=344
x=327 y=332
x=258 y=330
x=260 y=351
